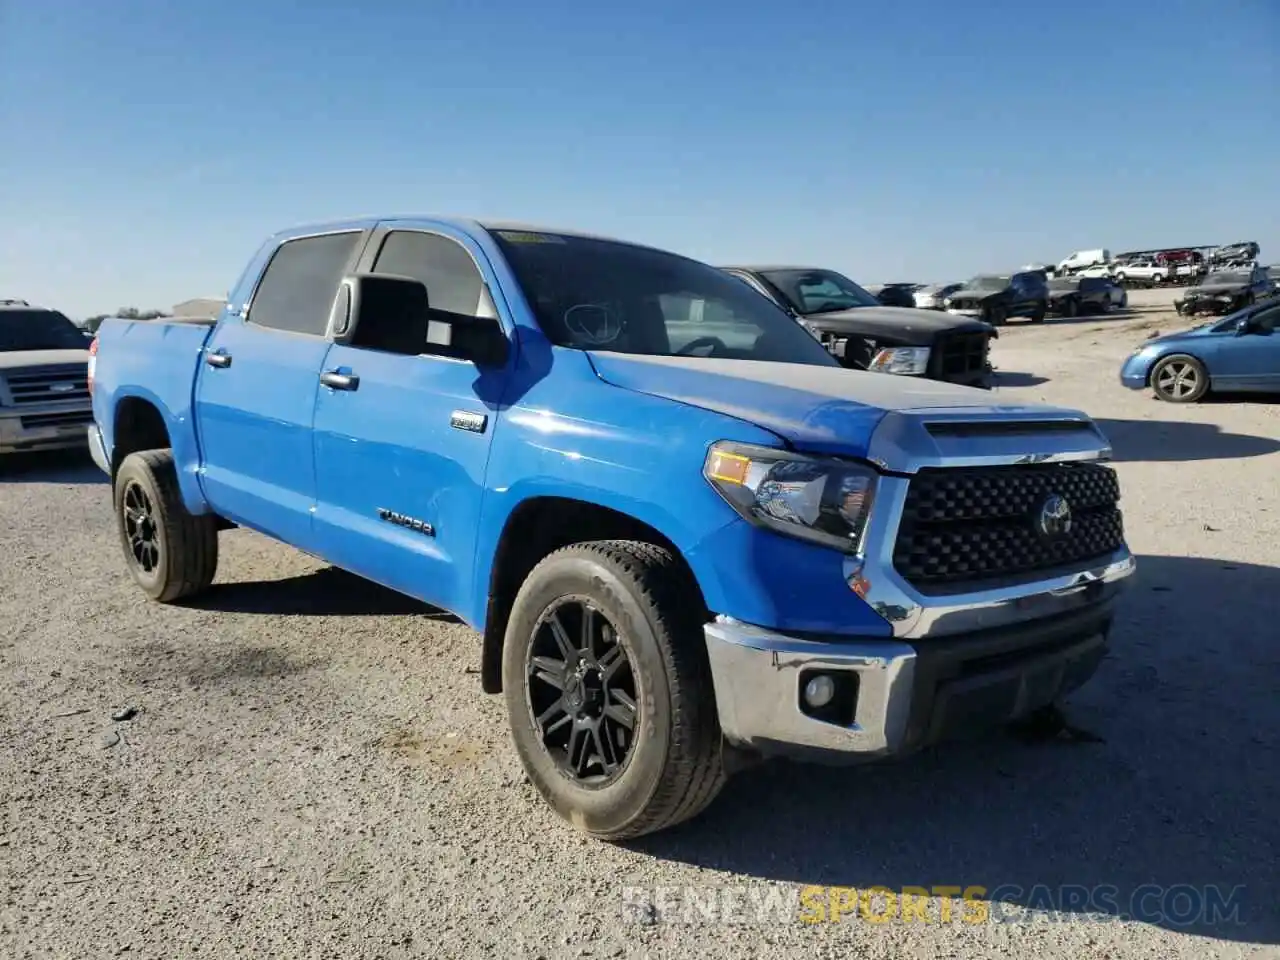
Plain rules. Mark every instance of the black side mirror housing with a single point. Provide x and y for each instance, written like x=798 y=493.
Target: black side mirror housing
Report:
x=394 y=314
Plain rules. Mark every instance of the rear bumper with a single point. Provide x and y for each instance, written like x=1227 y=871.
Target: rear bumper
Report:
x=98 y=449
x=29 y=431
x=894 y=696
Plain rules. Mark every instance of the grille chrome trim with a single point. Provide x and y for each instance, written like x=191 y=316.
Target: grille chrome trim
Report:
x=903 y=444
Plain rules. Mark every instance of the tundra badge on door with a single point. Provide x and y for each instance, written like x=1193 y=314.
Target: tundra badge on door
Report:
x=400 y=520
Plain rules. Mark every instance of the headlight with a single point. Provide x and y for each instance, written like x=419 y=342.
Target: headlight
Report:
x=908 y=361
x=821 y=500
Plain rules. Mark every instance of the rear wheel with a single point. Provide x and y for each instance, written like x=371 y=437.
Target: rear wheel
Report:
x=608 y=689
x=1179 y=379
x=171 y=553
x=1040 y=312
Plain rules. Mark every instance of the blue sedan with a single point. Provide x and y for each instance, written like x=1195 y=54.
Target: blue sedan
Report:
x=1238 y=352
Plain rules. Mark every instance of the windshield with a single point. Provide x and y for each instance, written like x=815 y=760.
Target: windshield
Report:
x=818 y=291
x=606 y=295
x=38 y=330
x=988 y=283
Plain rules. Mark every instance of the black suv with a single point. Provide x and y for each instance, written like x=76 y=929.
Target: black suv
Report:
x=997 y=299
x=1079 y=296
x=865 y=334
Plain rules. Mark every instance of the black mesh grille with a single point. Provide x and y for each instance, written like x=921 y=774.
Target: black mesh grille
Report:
x=974 y=524
x=960 y=356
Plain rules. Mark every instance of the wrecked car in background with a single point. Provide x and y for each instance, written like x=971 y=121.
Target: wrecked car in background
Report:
x=931 y=296
x=864 y=334
x=1224 y=291
x=997 y=299
x=1079 y=296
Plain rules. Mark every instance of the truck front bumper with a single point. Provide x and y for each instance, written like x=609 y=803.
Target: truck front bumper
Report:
x=893 y=696
x=42 y=429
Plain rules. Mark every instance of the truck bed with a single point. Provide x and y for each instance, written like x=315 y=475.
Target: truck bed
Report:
x=155 y=361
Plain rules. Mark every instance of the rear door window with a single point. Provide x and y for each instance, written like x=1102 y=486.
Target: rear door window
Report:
x=297 y=290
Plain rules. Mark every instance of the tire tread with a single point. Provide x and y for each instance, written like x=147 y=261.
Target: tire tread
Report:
x=695 y=773
x=191 y=540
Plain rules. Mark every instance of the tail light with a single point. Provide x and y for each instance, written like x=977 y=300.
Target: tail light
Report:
x=93 y=362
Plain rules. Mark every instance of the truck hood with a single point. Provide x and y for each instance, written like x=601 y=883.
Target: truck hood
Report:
x=906 y=325
x=13 y=359
x=814 y=408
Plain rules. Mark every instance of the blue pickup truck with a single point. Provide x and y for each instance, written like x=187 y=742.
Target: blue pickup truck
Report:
x=685 y=534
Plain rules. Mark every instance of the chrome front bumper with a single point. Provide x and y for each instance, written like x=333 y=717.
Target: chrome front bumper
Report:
x=1047 y=637
x=757 y=684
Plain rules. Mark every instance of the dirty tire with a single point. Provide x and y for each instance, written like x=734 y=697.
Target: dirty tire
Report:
x=674 y=768
x=1179 y=378
x=995 y=315
x=186 y=555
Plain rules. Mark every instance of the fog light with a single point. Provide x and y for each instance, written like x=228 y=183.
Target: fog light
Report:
x=819 y=691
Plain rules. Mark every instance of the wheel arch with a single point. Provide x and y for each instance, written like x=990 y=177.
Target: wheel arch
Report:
x=141 y=421
x=538 y=526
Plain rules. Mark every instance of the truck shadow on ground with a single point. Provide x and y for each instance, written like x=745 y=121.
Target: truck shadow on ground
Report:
x=55 y=466
x=1062 y=320
x=1003 y=378
x=327 y=592
x=1176 y=799
x=1162 y=441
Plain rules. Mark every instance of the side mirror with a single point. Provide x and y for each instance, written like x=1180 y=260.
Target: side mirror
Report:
x=394 y=314
x=1244 y=326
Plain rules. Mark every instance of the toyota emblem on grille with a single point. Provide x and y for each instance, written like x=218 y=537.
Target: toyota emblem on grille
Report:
x=1055 y=516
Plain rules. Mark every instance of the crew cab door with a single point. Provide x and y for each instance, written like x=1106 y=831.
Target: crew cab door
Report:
x=402 y=445
x=256 y=389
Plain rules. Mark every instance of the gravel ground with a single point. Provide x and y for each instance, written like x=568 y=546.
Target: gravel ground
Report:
x=312 y=770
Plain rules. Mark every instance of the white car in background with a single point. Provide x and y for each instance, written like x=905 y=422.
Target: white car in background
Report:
x=1074 y=263
x=1098 y=270
x=1142 y=271
x=931 y=297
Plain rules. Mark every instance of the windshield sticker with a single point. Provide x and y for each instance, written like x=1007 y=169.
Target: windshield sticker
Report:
x=514 y=236
x=593 y=324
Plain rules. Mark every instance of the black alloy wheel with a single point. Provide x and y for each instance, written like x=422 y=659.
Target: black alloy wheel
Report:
x=142 y=528
x=581 y=692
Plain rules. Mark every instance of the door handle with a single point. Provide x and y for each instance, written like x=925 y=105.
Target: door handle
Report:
x=339 y=381
x=218 y=358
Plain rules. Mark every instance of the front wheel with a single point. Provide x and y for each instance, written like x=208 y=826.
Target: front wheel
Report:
x=995 y=315
x=171 y=553
x=608 y=689
x=1179 y=379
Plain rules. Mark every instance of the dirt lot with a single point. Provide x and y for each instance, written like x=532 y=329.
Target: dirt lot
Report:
x=312 y=770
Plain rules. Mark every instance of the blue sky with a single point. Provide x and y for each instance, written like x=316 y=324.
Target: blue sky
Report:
x=148 y=147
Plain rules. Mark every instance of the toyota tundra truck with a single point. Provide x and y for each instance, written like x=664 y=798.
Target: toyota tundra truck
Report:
x=44 y=391
x=683 y=536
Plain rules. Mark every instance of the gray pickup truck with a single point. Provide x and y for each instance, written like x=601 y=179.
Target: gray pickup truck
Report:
x=44 y=389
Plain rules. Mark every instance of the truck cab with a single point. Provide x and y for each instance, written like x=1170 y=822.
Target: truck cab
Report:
x=683 y=532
